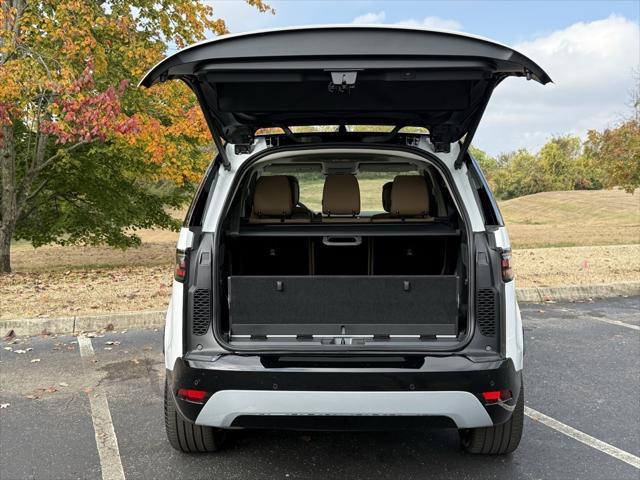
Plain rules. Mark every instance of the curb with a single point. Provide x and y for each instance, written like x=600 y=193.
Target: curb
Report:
x=155 y=318
x=85 y=323
x=572 y=293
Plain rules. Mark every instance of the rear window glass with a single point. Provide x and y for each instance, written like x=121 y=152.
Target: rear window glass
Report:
x=370 y=183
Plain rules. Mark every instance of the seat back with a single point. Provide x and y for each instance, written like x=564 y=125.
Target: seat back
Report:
x=386 y=196
x=386 y=204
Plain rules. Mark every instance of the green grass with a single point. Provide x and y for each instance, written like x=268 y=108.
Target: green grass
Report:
x=370 y=193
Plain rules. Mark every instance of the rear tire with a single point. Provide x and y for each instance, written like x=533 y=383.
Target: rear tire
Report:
x=499 y=439
x=185 y=436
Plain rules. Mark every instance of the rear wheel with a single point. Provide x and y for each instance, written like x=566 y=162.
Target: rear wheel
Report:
x=499 y=439
x=185 y=436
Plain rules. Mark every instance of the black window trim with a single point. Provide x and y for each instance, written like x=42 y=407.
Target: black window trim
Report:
x=494 y=214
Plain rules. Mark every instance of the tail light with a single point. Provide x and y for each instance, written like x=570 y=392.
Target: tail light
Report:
x=505 y=263
x=495 y=396
x=180 y=271
x=191 y=395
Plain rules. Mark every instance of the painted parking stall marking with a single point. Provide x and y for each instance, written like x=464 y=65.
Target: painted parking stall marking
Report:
x=616 y=322
x=582 y=437
x=110 y=462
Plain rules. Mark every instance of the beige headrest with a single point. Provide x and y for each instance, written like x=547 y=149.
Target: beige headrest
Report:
x=273 y=196
x=341 y=195
x=409 y=196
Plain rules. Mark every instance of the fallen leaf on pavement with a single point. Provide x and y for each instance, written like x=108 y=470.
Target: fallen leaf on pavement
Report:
x=11 y=334
x=35 y=360
x=8 y=348
x=19 y=351
x=63 y=384
x=4 y=405
x=109 y=327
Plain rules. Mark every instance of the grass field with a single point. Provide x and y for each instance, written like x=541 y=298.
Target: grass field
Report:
x=576 y=218
x=559 y=238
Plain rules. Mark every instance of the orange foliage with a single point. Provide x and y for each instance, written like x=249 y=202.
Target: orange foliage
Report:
x=67 y=66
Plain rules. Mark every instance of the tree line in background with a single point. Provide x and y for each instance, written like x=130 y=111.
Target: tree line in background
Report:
x=605 y=159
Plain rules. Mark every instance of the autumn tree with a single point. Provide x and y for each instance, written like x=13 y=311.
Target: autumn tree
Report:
x=615 y=152
x=85 y=157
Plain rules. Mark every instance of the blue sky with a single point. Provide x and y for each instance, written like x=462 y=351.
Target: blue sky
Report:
x=591 y=49
x=505 y=21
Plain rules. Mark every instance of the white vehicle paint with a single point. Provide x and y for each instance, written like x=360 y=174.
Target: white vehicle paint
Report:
x=514 y=341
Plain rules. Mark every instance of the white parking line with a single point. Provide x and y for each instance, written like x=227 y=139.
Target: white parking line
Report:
x=106 y=440
x=582 y=437
x=615 y=322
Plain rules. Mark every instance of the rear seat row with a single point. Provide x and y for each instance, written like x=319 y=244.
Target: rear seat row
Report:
x=276 y=199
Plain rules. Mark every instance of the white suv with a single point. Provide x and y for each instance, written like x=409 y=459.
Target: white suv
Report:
x=327 y=315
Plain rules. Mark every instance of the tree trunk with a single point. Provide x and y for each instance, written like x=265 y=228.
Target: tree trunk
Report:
x=8 y=189
x=5 y=253
x=8 y=199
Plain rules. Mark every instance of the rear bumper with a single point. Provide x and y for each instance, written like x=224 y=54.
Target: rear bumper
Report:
x=224 y=407
x=253 y=391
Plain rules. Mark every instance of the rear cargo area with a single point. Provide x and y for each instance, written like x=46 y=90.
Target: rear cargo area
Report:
x=343 y=285
x=336 y=273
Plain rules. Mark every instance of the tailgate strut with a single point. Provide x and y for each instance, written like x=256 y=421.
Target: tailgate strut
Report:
x=213 y=127
x=221 y=151
x=474 y=126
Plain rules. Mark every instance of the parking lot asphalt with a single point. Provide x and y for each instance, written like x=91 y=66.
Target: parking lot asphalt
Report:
x=581 y=369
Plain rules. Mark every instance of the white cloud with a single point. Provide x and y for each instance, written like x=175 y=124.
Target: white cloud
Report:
x=592 y=65
x=370 y=17
x=432 y=23
x=426 y=22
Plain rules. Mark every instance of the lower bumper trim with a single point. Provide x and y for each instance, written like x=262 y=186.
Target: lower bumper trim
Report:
x=463 y=408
